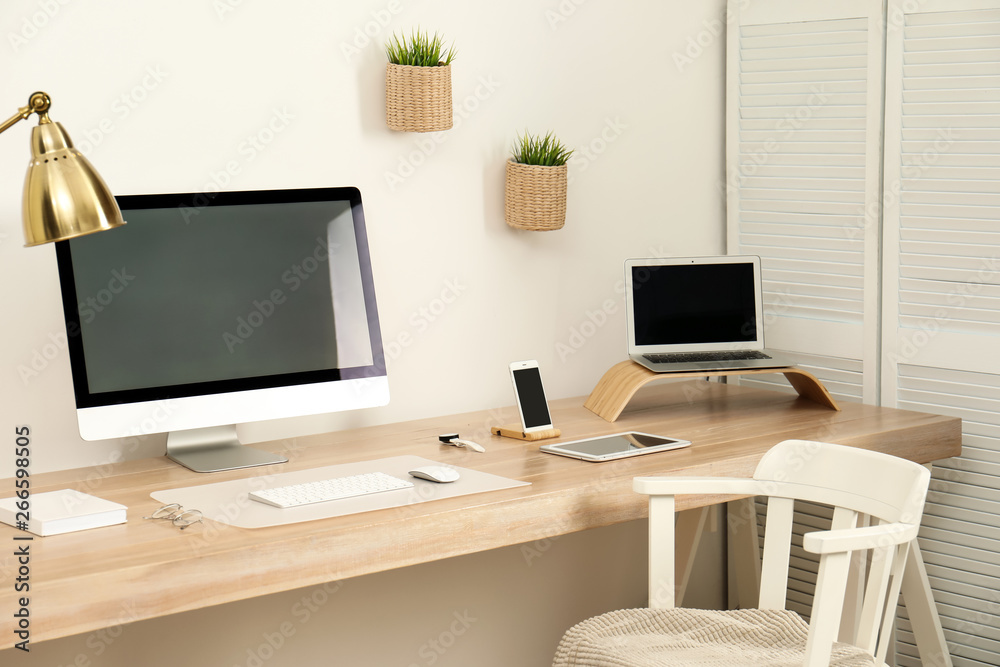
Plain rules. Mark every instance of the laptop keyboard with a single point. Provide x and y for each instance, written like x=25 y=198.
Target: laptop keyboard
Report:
x=724 y=355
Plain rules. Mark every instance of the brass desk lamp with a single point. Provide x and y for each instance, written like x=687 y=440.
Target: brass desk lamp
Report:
x=64 y=196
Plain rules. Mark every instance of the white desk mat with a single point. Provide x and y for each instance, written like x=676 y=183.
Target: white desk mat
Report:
x=228 y=502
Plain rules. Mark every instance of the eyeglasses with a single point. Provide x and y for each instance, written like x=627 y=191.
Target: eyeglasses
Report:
x=177 y=515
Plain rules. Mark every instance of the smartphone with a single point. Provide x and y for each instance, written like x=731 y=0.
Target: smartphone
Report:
x=530 y=396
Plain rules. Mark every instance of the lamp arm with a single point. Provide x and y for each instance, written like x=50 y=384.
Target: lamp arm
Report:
x=38 y=103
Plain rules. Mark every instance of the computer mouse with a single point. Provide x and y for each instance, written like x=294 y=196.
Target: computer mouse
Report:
x=439 y=474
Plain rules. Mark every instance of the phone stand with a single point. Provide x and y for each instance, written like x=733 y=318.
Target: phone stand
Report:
x=514 y=431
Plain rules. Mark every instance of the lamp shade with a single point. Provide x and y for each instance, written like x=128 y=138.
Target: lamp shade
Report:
x=64 y=197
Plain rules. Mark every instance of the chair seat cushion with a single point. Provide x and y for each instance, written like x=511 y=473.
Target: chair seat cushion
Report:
x=695 y=638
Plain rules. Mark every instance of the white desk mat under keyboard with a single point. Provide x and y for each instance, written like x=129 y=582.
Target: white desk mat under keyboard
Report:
x=229 y=502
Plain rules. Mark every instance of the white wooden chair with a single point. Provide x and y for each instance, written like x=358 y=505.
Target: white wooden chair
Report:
x=878 y=501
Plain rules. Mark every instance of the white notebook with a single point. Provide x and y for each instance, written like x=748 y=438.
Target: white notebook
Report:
x=63 y=511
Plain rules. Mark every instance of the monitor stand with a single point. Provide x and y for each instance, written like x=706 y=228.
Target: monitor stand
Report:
x=215 y=449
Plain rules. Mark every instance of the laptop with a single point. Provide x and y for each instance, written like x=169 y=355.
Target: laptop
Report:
x=697 y=314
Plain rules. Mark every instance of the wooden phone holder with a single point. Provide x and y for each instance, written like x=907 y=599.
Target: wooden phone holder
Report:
x=619 y=384
x=514 y=431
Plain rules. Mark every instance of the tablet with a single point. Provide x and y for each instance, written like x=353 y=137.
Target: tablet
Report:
x=617 y=446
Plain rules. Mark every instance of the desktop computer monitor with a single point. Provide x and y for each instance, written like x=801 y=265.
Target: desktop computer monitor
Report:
x=210 y=310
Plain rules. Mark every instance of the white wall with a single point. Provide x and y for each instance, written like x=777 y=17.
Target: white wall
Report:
x=163 y=97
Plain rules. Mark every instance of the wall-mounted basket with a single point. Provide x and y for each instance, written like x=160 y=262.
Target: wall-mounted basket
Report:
x=535 y=196
x=418 y=99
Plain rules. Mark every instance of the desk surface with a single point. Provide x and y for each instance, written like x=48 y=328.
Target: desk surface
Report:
x=83 y=581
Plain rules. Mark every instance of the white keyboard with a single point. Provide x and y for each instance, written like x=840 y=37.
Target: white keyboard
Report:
x=324 y=490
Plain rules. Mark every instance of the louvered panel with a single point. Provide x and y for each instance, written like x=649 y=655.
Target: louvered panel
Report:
x=828 y=35
x=954 y=56
x=809 y=171
x=949 y=173
x=936 y=76
x=957 y=492
x=981 y=305
x=792 y=100
x=967 y=651
x=802 y=156
x=916 y=164
x=960 y=535
x=788 y=87
x=983 y=265
x=976 y=635
x=832 y=136
x=750 y=163
x=917 y=224
x=986 y=143
x=950 y=586
x=953 y=617
x=953 y=139
x=804 y=124
x=841 y=377
x=793 y=291
x=801 y=205
x=925 y=292
x=755 y=235
x=982 y=542
x=803 y=227
x=978 y=236
x=958 y=255
x=788 y=273
x=788 y=192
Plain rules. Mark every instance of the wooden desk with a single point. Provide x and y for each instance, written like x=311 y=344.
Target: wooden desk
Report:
x=81 y=581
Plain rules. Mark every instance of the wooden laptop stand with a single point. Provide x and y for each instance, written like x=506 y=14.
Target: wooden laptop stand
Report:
x=619 y=384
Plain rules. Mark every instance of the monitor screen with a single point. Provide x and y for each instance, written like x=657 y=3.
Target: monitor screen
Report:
x=260 y=299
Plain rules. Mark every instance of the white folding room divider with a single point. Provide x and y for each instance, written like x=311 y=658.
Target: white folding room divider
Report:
x=863 y=166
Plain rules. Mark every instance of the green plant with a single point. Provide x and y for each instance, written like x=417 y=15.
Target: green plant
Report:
x=546 y=151
x=421 y=50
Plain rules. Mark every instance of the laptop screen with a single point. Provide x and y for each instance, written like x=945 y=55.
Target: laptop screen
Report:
x=692 y=304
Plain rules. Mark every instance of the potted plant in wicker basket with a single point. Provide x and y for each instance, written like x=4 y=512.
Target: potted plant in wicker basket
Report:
x=418 y=83
x=535 y=191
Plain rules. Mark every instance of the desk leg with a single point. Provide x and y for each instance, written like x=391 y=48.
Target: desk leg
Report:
x=919 y=601
x=690 y=526
x=743 y=554
x=674 y=538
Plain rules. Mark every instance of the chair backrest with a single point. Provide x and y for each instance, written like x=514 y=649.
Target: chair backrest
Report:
x=898 y=484
x=864 y=488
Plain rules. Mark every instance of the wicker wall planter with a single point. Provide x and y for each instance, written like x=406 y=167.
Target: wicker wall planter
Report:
x=418 y=99
x=535 y=196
